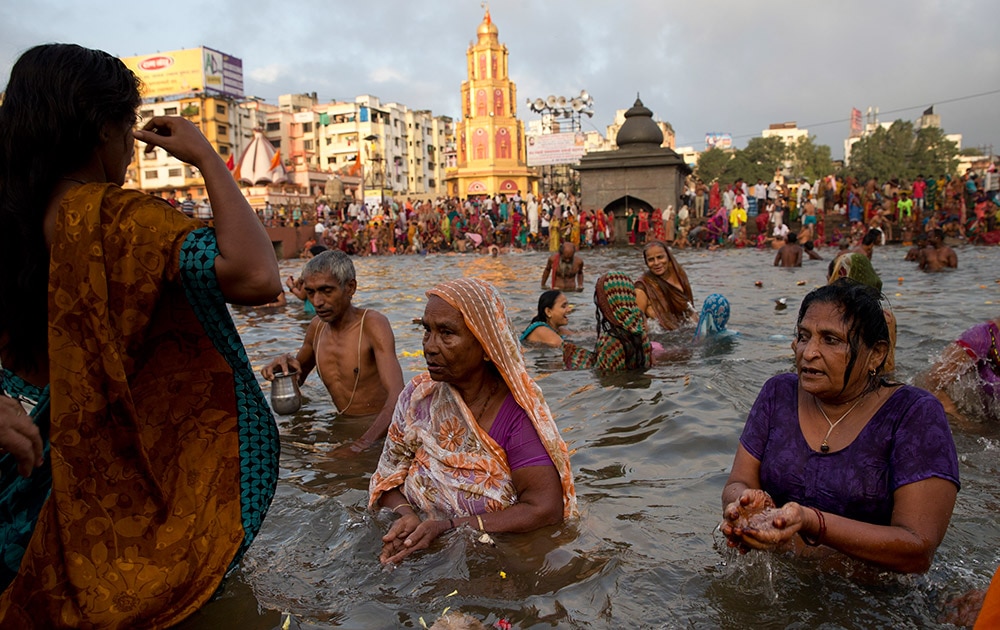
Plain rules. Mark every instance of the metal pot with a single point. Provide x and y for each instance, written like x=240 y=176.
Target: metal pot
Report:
x=285 y=395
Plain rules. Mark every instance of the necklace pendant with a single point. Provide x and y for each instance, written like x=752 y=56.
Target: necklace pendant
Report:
x=824 y=447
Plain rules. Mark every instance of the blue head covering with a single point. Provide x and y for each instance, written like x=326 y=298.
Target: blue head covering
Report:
x=714 y=316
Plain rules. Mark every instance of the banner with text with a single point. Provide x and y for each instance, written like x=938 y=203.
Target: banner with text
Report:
x=555 y=148
x=720 y=140
x=183 y=72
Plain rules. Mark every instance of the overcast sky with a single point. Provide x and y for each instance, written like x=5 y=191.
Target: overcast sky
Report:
x=703 y=65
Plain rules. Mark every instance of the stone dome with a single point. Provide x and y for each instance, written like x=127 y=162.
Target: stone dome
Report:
x=639 y=129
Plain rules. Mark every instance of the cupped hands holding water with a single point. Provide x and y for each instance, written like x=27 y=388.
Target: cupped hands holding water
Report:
x=754 y=522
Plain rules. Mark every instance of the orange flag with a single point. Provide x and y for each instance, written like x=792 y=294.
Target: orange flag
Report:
x=276 y=160
x=356 y=167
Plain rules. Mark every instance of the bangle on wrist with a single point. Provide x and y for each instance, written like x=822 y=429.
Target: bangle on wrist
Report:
x=815 y=541
x=479 y=519
x=396 y=508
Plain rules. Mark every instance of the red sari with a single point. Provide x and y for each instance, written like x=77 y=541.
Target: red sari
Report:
x=657 y=221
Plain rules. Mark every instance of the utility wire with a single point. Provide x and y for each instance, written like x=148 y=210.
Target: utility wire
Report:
x=888 y=111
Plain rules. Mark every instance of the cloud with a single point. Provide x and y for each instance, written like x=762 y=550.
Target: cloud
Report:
x=268 y=74
x=386 y=75
x=710 y=65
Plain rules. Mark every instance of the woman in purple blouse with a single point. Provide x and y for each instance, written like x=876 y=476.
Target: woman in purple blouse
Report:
x=838 y=455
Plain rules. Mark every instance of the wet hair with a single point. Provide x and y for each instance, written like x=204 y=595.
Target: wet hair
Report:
x=316 y=250
x=57 y=102
x=650 y=245
x=872 y=237
x=333 y=262
x=546 y=300
x=861 y=310
x=792 y=238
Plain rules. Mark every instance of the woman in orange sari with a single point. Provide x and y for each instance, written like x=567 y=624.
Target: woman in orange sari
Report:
x=663 y=292
x=147 y=453
x=472 y=442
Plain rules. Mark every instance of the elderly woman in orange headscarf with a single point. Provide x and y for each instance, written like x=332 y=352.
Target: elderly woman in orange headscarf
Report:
x=472 y=442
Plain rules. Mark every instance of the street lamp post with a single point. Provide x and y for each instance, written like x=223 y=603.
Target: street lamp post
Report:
x=381 y=174
x=555 y=108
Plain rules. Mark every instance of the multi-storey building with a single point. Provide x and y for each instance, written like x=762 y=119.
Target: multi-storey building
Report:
x=206 y=87
x=398 y=149
x=401 y=152
x=227 y=123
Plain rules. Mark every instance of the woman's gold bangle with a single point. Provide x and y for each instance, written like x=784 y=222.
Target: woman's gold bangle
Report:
x=396 y=508
x=480 y=520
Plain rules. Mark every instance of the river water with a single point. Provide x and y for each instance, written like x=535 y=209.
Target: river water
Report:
x=650 y=454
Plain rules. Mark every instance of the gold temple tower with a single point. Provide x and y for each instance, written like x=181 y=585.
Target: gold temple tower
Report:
x=489 y=138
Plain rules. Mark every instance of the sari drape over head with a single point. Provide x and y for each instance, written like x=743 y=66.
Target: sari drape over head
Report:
x=672 y=304
x=622 y=343
x=436 y=453
x=714 y=317
x=162 y=451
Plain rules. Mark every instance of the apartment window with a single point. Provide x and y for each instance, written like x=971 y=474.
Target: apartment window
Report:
x=431 y=183
x=329 y=141
x=331 y=161
x=220 y=109
x=170 y=111
x=223 y=150
x=307 y=127
x=174 y=172
x=273 y=126
x=223 y=130
x=151 y=174
x=307 y=145
x=146 y=114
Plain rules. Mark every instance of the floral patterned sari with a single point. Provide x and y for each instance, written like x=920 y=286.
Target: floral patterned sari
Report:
x=436 y=453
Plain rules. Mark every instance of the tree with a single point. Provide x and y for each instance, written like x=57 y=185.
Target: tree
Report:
x=899 y=151
x=712 y=164
x=809 y=160
x=932 y=153
x=759 y=160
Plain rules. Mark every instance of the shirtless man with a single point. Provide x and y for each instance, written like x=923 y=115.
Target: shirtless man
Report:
x=868 y=242
x=352 y=349
x=566 y=268
x=913 y=255
x=790 y=254
x=936 y=256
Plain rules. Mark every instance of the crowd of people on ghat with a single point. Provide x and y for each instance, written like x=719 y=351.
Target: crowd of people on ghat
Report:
x=139 y=456
x=831 y=211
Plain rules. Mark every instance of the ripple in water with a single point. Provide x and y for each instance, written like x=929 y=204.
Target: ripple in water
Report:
x=651 y=453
